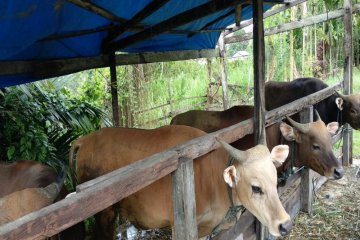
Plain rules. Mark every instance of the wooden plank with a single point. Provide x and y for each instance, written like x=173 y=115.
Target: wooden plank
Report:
x=245 y=222
x=114 y=91
x=266 y=15
x=178 y=20
x=348 y=79
x=295 y=106
x=65 y=213
x=306 y=196
x=223 y=71
x=294 y=25
x=184 y=205
x=53 y=68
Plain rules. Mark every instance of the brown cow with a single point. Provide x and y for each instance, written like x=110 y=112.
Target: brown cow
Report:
x=27 y=174
x=24 y=174
x=28 y=200
x=335 y=108
x=253 y=176
x=312 y=139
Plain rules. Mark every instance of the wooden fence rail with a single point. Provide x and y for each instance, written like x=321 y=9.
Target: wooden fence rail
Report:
x=100 y=193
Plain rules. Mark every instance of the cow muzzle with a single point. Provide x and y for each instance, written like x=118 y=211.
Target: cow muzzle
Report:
x=285 y=228
x=338 y=173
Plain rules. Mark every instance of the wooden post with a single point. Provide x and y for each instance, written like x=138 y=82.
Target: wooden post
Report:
x=347 y=140
x=208 y=90
x=259 y=73
x=259 y=88
x=114 y=94
x=224 y=83
x=184 y=205
x=306 y=194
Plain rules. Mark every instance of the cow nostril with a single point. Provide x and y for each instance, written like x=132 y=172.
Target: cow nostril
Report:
x=284 y=228
x=338 y=173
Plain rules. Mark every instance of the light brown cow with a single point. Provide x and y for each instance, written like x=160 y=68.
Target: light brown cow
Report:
x=23 y=202
x=313 y=139
x=253 y=176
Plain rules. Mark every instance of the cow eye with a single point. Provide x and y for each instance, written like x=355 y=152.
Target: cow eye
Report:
x=353 y=111
x=316 y=147
x=256 y=189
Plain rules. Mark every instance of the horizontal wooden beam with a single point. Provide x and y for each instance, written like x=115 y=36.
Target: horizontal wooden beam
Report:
x=142 y=14
x=93 y=8
x=52 y=68
x=294 y=25
x=266 y=15
x=173 y=22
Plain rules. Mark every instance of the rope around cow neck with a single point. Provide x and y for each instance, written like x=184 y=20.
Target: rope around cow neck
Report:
x=233 y=211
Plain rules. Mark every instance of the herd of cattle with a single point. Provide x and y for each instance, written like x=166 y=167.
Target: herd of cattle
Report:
x=27 y=186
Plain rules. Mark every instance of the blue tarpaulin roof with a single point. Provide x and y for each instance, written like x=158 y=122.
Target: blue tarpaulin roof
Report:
x=29 y=30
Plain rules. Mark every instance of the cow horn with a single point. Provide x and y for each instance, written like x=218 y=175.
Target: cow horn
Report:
x=318 y=118
x=240 y=156
x=53 y=189
x=304 y=128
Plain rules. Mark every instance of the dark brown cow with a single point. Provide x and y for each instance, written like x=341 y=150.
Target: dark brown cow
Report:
x=28 y=200
x=336 y=108
x=253 y=176
x=313 y=139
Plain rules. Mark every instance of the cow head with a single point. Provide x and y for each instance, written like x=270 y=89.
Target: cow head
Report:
x=254 y=180
x=349 y=105
x=314 y=146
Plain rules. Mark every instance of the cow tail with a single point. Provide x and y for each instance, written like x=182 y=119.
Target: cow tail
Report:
x=72 y=162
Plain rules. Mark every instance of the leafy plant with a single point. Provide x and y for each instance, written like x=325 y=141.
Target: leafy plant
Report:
x=38 y=122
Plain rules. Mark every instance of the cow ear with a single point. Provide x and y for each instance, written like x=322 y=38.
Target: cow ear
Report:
x=332 y=127
x=279 y=154
x=287 y=131
x=230 y=176
x=339 y=103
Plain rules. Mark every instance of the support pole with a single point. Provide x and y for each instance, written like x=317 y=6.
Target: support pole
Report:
x=114 y=94
x=259 y=89
x=183 y=197
x=347 y=137
x=224 y=83
x=306 y=187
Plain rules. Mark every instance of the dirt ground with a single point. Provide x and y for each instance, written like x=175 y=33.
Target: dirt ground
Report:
x=336 y=210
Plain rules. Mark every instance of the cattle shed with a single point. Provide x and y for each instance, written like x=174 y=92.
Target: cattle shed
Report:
x=40 y=40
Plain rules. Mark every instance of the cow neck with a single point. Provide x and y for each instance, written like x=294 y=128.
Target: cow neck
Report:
x=231 y=214
x=290 y=169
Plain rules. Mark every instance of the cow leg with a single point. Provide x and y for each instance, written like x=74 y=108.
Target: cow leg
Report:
x=105 y=224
